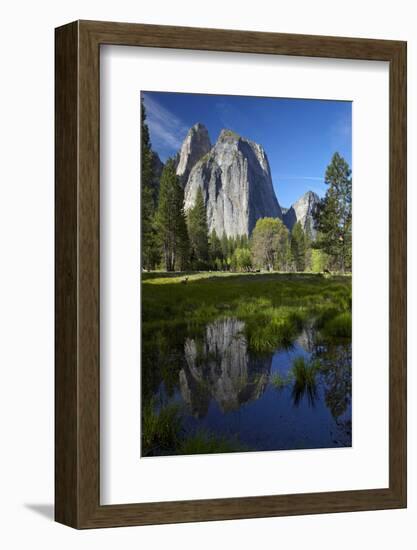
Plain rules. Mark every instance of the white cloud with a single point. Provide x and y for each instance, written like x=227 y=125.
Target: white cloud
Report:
x=167 y=130
x=314 y=178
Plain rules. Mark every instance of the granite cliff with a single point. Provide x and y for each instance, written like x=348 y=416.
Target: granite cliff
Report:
x=235 y=178
x=302 y=211
x=195 y=145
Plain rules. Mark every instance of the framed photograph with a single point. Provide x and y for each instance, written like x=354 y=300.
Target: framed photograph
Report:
x=230 y=274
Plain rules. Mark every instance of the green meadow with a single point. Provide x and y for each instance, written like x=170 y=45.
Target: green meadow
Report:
x=273 y=305
x=273 y=308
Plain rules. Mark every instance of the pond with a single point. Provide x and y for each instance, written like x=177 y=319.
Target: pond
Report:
x=217 y=395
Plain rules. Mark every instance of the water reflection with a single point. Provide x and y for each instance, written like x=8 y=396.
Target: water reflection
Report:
x=307 y=338
x=296 y=397
x=219 y=366
x=336 y=370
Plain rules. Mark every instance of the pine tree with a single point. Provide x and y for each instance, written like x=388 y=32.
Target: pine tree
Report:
x=150 y=251
x=244 y=241
x=215 y=250
x=170 y=219
x=283 y=257
x=298 y=247
x=333 y=217
x=286 y=255
x=309 y=244
x=198 y=230
x=183 y=256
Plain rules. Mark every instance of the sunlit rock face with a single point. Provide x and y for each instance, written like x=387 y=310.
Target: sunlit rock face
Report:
x=302 y=211
x=235 y=178
x=195 y=145
x=219 y=367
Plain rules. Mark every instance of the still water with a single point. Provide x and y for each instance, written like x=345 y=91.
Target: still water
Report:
x=225 y=389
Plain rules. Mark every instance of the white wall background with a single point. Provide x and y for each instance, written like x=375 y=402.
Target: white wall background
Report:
x=26 y=271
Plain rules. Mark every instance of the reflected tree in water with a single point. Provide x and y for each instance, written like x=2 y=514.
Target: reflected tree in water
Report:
x=336 y=370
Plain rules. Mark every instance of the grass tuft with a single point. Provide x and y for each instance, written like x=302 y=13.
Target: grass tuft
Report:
x=160 y=429
x=339 y=326
x=304 y=380
x=203 y=442
x=279 y=381
x=162 y=434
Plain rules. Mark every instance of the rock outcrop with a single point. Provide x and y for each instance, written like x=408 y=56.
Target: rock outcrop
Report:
x=302 y=211
x=195 y=145
x=235 y=178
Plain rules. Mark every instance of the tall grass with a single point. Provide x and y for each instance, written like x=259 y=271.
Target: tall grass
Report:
x=162 y=434
x=203 y=442
x=279 y=381
x=304 y=373
x=269 y=327
x=340 y=326
x=205 y=297
x=161 y=430
x=304 y=380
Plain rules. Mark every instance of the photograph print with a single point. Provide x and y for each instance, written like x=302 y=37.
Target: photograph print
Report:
x=246 y=273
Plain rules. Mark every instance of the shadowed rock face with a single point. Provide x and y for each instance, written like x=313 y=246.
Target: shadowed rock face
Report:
x=235 y=178
x=219 y=367
x=195 y=145
x=302 y=211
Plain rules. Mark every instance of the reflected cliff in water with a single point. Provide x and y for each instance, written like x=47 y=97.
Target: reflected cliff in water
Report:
x=210 y=381
x=219 y=367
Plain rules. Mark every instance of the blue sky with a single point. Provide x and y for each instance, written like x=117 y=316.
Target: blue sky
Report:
x=298 y=135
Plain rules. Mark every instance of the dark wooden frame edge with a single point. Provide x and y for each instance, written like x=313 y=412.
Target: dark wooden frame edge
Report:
x=77 y=380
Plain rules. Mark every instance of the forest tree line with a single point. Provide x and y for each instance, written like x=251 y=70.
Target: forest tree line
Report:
x=175 y=240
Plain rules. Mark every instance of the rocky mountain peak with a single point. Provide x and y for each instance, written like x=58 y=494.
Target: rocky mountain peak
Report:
x=195 y=145
x=235 y=178
x=302 y=211
x=227 y=135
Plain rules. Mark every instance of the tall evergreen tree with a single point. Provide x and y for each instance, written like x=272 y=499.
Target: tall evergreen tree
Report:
x=225 y=245
x=183 y=256
x=333 y=217
x=150 y=251
x=215 y=250
x=287 y=261
x=309 y=241
x=170 y=219
x=198 y=230
x=298 y=247
x=283 y=257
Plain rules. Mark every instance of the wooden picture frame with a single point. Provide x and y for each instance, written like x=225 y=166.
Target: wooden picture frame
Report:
x=77 y=374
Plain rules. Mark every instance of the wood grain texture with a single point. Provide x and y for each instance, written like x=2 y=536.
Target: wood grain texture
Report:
x=78 y=284
x=66 y=237
x=398 y=273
